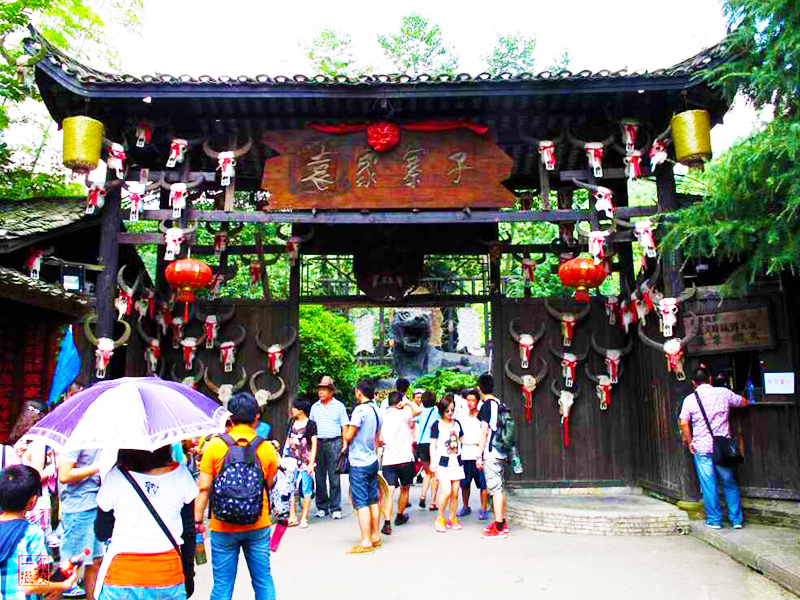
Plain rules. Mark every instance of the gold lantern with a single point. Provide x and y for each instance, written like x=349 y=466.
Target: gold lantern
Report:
x=691 y=132
x=83 y=141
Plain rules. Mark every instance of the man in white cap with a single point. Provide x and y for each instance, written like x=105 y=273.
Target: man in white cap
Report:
x=330 y=416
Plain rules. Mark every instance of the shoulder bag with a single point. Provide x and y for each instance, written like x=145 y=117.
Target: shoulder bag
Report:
x=727 y=452
x=188 y=565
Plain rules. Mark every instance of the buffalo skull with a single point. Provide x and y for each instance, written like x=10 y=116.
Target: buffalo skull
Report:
x=526 y=341
x=275 y=352
x=104 y=346
x=528 y=384
x=227 y=350
x=225 y=391
x=569 y=362
x=673 y=350
x=567 y=320
x=612 y=357
x=565 y=399
x=264 y=396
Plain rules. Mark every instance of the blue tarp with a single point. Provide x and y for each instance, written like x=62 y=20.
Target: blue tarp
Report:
x=68 y=367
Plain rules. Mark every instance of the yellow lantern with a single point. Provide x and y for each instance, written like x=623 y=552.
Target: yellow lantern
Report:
x=83 y=141
x=691 y=132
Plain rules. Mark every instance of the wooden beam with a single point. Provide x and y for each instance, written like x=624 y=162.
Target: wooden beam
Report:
x=109 y=256
x=173 y=176
x=397 y=218
x=413 y=300
x=587 y=175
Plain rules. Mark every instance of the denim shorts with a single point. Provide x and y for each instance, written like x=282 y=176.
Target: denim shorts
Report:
x=471 y=473
x=79 y=534
x=364 y=485
x=305 y=484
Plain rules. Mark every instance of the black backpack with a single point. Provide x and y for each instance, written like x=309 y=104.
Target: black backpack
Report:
x=505 y=436
x=238 y=492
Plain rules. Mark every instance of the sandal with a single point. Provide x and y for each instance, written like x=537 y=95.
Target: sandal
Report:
x=377 y=544
x=433 y=508
x=292 y=523
x=359 y=549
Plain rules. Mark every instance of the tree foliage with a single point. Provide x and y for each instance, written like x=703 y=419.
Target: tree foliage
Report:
x=751 y=213
x=512 y=53
x=327 y=347
x=330 y=53
x=419 y=47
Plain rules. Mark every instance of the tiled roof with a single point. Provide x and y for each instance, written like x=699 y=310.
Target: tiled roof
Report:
x=89 y=76
x=18 y=286
x=22 y=218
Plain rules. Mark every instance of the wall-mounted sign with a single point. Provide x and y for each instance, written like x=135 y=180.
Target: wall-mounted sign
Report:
x=731 y=331
x=431 y=169
x=779 y=383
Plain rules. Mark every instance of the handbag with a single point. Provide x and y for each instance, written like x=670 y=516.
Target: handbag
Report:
x=343 y=464
x=187 y=565
x=727 y=452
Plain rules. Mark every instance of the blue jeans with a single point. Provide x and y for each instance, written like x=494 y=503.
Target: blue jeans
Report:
x=225 y=560
x=125 y=592
x=79 y=534
x=707 y=473
x=364 y=485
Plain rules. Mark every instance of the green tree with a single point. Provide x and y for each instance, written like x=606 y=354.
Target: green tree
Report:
x=330 y=53
x=419 y=47
x=512 y=53
x=327 y=347
x=751 y=213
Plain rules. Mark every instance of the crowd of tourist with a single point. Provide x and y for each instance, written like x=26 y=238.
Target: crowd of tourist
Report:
x=123 y=523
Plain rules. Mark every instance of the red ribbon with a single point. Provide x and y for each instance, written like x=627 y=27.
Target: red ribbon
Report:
x=565 y=428
x=528 y=404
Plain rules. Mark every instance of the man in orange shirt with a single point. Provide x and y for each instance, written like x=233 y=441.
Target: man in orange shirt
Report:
x=227 y=538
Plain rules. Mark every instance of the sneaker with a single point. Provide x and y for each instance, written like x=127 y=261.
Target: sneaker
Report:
x=321 y=514
x=337 y=514
x=447 y=523
x=387 y=528
x=483 y=515
x=493 y=531
x=303 y=523
x=463 y=511
x=401 y=519
x=710 y=526
x=441 y=526
x=455 y=524
x=433 y=508
x=74 y=592
x=422 y=502
x=738 y=526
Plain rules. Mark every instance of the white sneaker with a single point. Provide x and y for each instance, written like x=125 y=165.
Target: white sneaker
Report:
x=321 y=514
x=337 y=514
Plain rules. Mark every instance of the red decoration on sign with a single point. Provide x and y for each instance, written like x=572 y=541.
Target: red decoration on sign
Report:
x=581 y=274
x=383 y=136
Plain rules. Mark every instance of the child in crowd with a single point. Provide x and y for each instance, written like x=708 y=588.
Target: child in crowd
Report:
x=301 y=444
x=24 y=562
x=446 y=463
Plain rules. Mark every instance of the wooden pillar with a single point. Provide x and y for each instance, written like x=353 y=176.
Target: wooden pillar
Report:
x=668 y=201
x=109 y=258
x=625 y=250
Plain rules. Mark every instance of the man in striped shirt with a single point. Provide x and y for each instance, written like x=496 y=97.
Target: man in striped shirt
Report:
x=330 y=416
x=700 y=441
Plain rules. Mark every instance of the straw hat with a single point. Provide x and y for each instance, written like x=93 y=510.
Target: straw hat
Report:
x=327 y=382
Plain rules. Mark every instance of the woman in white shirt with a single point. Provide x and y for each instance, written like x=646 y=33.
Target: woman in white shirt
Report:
x=447 y=437
x=141 y=561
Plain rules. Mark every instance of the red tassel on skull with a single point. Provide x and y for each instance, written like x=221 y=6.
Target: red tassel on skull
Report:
x=143 y=133
x=565 y=402
x=177 y=151
x=604 y=201
x=629 y=129
x=255 y=272
x=226 y=165
x=643 y=230
x=633 y=165
x=95 y=198
x=220 y=242
x=547 y=152
x=568 y=363
x=177 y=199
x=658 y=154
x=116 y=159
x=597 y=245
x=612 y=308
x=174 y=239
x=567 y=325
x=594 y=154
x=293 y=249
x=528 y=387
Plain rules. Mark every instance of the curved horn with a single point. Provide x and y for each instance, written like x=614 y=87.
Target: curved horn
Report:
x=280 y=234
x=191 y=229
x=305 y=238
x=512 y=329
x=200 y=370
x=271 y=261
x=589 y=374
x=121 y=281
x=597 y=347
x=209 y=152
x=542 y=372
x=587 y=186
x=583 y=356
x=584 y=312
x=292 y=338
x=663 y=135
x=277 y=394
x=210 y=384
x=573 y=140
x=511 y=375
x=262 y=346
x=580 y=231
x=162 y=226
x=686 y=294
x=87 y=328
x=554 y=350
x=242 y=382
x=125 y=336
x=623 y=222
x=137 y=282
x=210 y=228
x=225 y=317
x=165 y=185
x=627 y=349
x=201 y=340
x=143 y=334
x=198 y=313
x=236 y=229
x=237 y=341
x=526 y=138
x=648 y=341
x=552 y=311
x=253 y=379
x=554 y=389
x=689 y=334
x=539 y=334
x=242 y=150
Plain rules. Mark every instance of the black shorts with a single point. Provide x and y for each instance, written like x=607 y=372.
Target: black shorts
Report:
x=471 y=473
x=399 y=475
x=423 y=452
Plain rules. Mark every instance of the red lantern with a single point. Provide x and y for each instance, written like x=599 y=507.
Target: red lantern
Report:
x=581 y=274
x=187 y=275
x=383 y=136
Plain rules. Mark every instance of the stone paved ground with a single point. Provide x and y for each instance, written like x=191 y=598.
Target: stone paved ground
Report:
x=416 y=562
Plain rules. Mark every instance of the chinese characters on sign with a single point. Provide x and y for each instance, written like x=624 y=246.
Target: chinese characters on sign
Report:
x=779 y=383
x=30 y=569
x=445 y=169
x=731 y=331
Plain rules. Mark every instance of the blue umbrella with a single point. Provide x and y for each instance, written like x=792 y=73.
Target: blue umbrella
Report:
x=140 y=413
